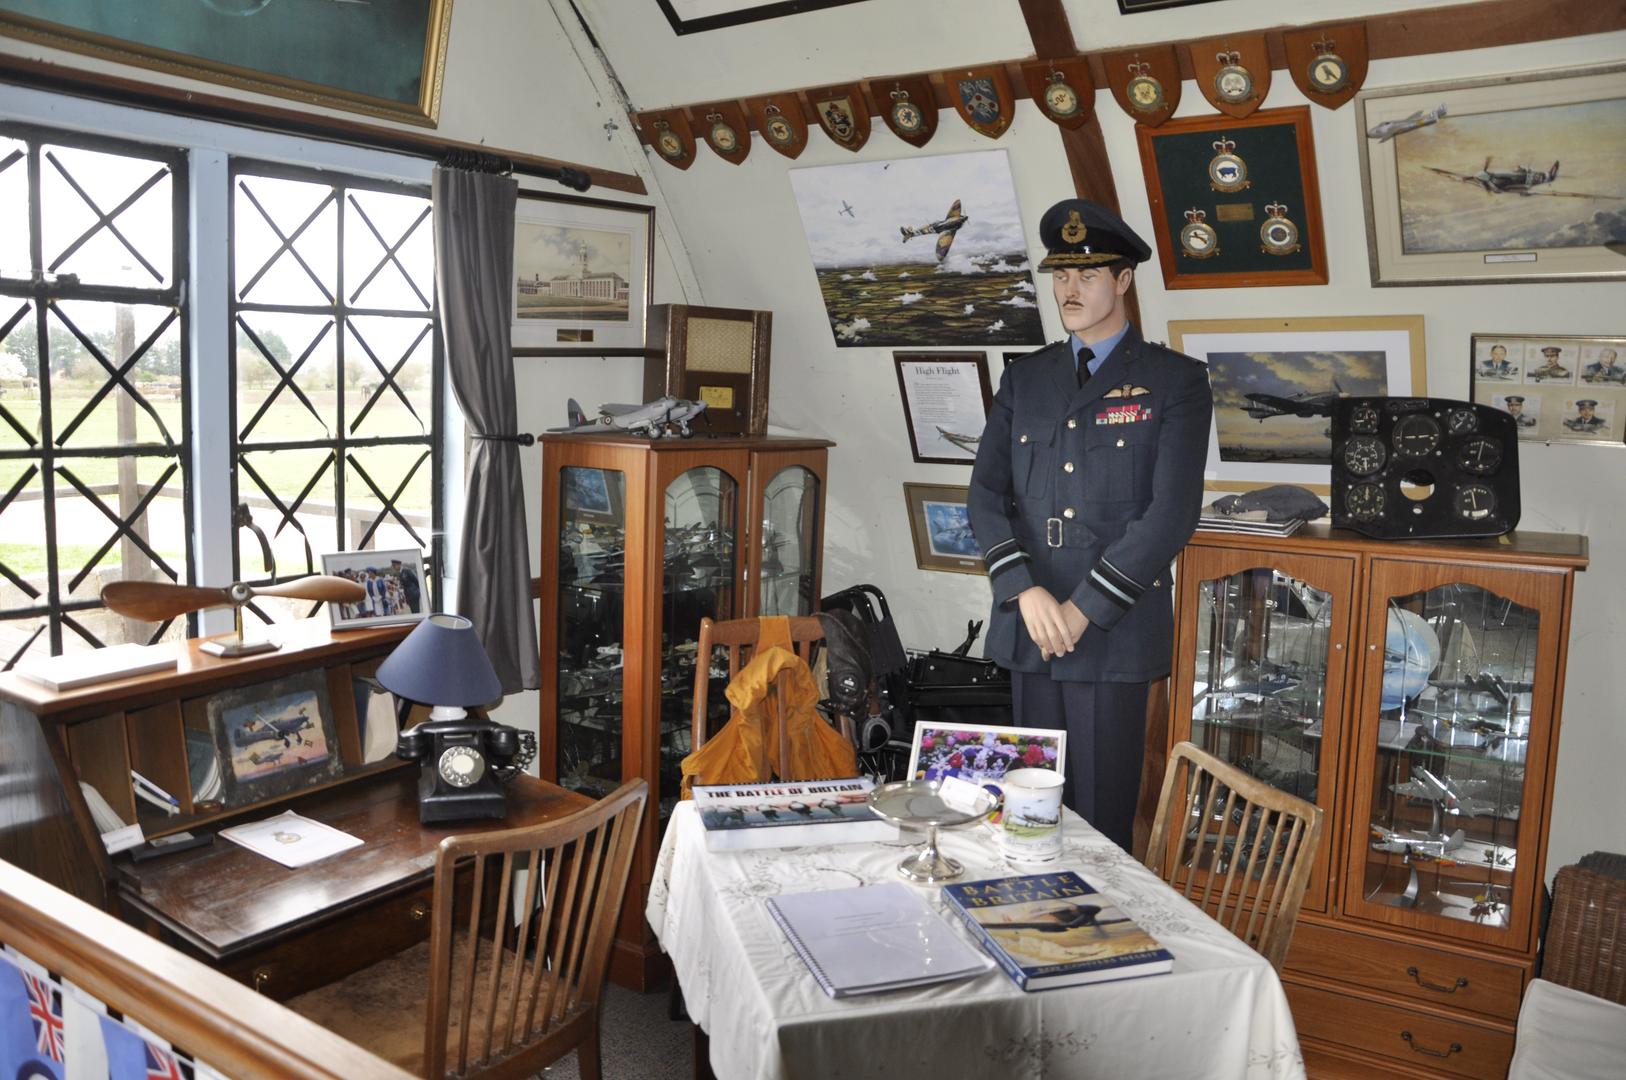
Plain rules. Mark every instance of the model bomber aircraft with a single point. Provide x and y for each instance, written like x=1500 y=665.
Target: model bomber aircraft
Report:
x=1390 y=128
x=654 y=419
x=1519 y=180
x=945 y=229
x=1263 y=406
x=1447 y=793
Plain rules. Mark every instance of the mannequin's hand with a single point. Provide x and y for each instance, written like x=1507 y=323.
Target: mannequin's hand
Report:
x=1076 y=621
x=1046 y=622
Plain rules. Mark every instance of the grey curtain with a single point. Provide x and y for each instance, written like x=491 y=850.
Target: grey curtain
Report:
x=474 y=260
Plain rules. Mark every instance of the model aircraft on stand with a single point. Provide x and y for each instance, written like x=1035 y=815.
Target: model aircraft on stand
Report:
x=655 y=419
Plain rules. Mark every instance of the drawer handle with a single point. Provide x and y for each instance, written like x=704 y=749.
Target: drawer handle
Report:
x=261 y=977
x=419 y=912
x=1456 y=1048
x=1462 y=980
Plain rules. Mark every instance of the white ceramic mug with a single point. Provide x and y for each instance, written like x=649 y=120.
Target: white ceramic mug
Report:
x=1030 y=830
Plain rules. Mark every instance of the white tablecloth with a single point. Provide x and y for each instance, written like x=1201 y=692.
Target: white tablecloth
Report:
x=1220 y=1013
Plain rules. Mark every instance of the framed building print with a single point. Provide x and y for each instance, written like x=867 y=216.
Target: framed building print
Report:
x=1500 y=179
x=1557 y=388
x=582 y=275
x=1235 y=202
x=945 y=404
x=383 y=60
x=1274 y=382
x=940 y=523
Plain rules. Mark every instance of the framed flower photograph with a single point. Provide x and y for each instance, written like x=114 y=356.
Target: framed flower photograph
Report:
x=274 y=737
x=1557 y=388
x=1274 y=383
x=397 y=591
x=982 y=755
x=582 y=275
x=1497 y=179
x=940 y=522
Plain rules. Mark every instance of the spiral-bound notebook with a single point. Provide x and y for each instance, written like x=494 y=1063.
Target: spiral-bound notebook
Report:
x=874 y=938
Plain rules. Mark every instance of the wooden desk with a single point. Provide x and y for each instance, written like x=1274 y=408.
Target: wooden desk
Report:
x=286 y=931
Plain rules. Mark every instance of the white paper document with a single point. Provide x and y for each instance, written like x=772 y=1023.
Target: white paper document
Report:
x=290 y=839
x=874 y=938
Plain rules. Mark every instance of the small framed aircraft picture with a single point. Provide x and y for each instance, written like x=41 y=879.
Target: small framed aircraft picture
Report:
x=583 y=269
x=940 y=522
x=1500 y=179
x=274 y=737
x=1275 y=382
x=945 y=404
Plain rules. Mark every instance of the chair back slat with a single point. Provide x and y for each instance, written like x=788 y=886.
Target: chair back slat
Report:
x=551 y=955
x=1236 y=847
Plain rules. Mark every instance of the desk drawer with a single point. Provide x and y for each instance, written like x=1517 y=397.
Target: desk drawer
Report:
x=1394 y=1033
x=1447 y=979
x=329 y=952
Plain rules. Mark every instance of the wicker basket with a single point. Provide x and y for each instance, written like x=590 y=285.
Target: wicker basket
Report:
x=1586 y=937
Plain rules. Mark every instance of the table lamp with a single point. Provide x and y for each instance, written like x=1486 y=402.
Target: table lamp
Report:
x=442 y=664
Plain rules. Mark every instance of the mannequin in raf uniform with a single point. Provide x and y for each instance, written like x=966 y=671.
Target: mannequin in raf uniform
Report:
x=1088 y=482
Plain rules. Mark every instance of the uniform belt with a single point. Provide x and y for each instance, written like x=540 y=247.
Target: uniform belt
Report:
x=1059 y=532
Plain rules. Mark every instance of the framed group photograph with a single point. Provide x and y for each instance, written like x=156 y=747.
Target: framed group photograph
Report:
x=1274 y=382
x=982 y=754
x=1235 y=202
x=583 y=270
x=397 y=591
x=940 y=523
x=274 y=737
x=1557 y=388
x=945 y=404
x=1500 y=179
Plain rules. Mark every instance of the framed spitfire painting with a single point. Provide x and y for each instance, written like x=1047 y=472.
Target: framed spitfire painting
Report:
x=1235 y=201
x=1558 y=388
x=1501 y=179
x=1274 y=383
x=583 y=269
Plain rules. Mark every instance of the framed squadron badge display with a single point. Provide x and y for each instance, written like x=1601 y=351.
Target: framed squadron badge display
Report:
x=1557 y=389
x=1235 y=201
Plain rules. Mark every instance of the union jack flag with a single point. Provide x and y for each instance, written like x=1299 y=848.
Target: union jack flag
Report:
x=161 y=1065
x=45 y=1008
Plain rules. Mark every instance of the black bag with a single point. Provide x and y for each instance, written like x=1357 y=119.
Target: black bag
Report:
x=949 y=688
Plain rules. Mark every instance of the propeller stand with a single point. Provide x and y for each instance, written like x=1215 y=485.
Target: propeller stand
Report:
x=236 y=645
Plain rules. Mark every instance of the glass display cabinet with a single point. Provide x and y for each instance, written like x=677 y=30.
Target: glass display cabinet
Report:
x=641 y=540
x=1412 y=691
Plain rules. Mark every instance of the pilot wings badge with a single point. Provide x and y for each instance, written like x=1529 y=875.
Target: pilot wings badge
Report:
x=982 y=97
x=1126 y=390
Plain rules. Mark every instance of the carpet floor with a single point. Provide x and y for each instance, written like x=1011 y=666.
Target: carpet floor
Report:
x=639 y=1042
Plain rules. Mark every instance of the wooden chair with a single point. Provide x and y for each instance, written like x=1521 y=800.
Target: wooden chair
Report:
x=505 y=985
x=739 y=637
x=1235 y=846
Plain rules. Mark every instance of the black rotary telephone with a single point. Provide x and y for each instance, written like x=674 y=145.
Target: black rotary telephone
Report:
x=466 y=763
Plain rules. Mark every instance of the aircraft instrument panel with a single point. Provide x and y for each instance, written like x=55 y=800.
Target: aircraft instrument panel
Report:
x=1414 y=468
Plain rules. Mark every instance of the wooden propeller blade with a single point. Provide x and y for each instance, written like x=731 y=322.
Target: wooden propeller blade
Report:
x=155 y=601
x=316 y=587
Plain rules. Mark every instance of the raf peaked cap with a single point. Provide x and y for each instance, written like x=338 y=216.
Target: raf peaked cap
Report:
x=1586 y=403
x=1551 y=350
x=1077 y=232
x=1514 y=399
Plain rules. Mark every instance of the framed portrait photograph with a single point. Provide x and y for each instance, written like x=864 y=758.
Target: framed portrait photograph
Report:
x=1235 y=202
x=307 y=52
x=582 y=275
x=274 y=737
x=397 y=591
x=1558 y=388
x=1274 y=382
x=940 y=523
x=982 y=755
x=945 y=404
x=1500 y=179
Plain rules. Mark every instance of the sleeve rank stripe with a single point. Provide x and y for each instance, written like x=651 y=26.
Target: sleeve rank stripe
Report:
x=1111 y=591
x=1013 y=557
x=1128 y=584
x=998 y=552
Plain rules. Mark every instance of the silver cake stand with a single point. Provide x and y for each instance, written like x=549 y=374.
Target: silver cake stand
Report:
x=917 y=804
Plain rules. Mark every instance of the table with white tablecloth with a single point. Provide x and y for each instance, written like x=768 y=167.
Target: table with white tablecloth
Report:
x=1220 y=1013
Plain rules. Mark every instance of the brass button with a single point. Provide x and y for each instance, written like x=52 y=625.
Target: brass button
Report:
x=1072 y=421
x=1157 y=583
x=1023 y=439
x=1120 y=442
x=1068 y=513
x=1067 y=467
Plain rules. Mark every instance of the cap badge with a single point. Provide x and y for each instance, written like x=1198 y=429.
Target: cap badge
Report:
x=1074 y=231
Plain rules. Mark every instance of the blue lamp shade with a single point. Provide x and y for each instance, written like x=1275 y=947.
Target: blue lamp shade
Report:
x=442 y=662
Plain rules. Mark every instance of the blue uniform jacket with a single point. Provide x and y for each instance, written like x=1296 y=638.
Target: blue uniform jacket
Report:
x=1091 y=492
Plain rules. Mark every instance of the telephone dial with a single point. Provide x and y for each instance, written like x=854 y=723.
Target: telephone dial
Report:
x=466 y=763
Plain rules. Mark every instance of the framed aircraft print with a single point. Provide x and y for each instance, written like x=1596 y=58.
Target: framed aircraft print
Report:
x=1500 y=179
x=1274 y=383
x=940 y=522
x=274 y=737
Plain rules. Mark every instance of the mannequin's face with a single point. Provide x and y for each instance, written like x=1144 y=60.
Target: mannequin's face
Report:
x=1090 y=299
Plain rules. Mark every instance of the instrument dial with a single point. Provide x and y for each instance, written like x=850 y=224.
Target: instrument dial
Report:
x=1364 y=455
x=1364 y=502
x=1416 y=436
x=461 y=766
x=1480 y=455
x=1474 y=502
x=1462 y=421
x=1363 y=419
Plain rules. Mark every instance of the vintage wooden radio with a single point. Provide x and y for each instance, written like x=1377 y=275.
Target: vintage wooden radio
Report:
x=715 y=355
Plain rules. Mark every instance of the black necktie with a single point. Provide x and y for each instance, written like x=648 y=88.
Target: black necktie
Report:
x=1084 y=358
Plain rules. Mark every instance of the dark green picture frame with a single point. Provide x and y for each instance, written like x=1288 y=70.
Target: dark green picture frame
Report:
x=1278 y=150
